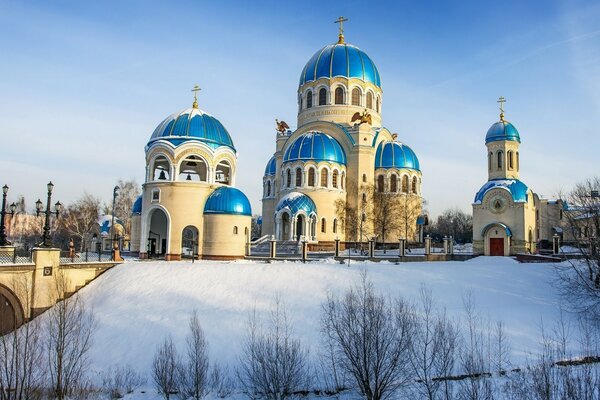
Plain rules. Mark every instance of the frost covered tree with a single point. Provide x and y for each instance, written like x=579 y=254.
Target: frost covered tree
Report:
x=164 y=368
x=193 y=372
x=80 y=219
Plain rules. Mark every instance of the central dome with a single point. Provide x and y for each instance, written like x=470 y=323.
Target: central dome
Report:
x=192 y=124
x=340 y=59
x=316 y=146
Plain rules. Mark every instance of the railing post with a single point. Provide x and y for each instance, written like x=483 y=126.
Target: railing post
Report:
x=555 y=244
x=86 y=255
x=446 y=245
x=15 y=256
x=427 y=245
x=304 y=250
x=337 y=247
x=402 y=248
x=371 y=248
x=451 y=245
x=99 y=254
x=273 y=248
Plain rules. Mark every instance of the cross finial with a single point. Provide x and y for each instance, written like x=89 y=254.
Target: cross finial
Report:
x=196 y=89
x=341 y=21
x=501 y=101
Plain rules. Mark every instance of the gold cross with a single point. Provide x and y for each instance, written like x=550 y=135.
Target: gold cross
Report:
x=501 y=101
x=340 y=21
x=196 y=89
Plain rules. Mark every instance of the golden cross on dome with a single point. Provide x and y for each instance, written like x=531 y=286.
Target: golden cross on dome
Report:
x=196 y=89
x=340 y=21
x=501 y=101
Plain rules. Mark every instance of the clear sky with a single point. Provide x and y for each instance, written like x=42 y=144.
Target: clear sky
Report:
x=83 y=84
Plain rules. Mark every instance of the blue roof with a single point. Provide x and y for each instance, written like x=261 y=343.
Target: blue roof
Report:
x=518 y=190
x=492 y=224
x=227 y=200
x=271 y=167
x=296 y=202
x=393 y=154
x=502 y=130
x=137 y=206
x=192 y=124
x=316 y=146
x=340 y=59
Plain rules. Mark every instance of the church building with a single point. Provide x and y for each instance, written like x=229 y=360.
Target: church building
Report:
x=319 y=183
x=189 y=205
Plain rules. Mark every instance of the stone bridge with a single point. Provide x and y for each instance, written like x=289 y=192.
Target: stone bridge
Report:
x=31 y=285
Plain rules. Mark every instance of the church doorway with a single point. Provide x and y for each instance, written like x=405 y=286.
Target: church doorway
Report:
x=300 y=226
x=11 y=313
x=158 y=234
x=189 y=242
x=496 y=247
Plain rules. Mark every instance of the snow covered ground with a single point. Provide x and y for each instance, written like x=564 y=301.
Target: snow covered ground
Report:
x=138 y=303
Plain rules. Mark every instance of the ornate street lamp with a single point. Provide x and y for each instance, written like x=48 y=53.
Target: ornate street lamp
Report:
x=39 y=210
x=112 y=223
x=3 y=212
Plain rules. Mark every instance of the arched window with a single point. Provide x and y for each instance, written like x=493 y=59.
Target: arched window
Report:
x=370 y=100
x=223 y=173
x=405 y=184
x=380 y=184
x=298 y=177
x=323 y=225
x=193 y=168
x=377 y=105
x=311 y=177
x=161 y=169
x=322 y=97
x=335 y=226
x=309 y=99
x=490 y=156
x=235 y=230
x=355 y=97
x=517 y=160
x=364 y=197
x=301 y=104
x=510 y=160
x=324 y=177
x=414 y=185
x=288 y=178
x=393 y=183
x=343 y=180
x=268 y=188
x=364 y=177
x=339 y=96
x=334 y=179
x=499 y=159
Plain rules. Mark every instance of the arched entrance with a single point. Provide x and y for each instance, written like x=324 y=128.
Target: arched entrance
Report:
x=285 y=227
x=189 y=242
x=497 y=239
x=300 y=223
x=11 y=312
x=158 y=234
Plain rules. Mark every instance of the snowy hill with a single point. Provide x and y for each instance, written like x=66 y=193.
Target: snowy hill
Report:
x=138 y=303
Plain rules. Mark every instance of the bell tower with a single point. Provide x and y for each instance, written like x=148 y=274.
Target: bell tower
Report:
x=502 y=142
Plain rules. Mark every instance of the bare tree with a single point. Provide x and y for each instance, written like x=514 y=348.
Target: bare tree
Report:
x=80 y=219
x=194 y=371
x=433 y=350
x=580 y=282
x=501 y=355
x=221 y=382
x=453 y=222
x=129 y=191
x=164 y=368
x=273 y=364
x=371 y=336
x=386 y=211
x=121 y=380
x=21 y=373
x=69 y=331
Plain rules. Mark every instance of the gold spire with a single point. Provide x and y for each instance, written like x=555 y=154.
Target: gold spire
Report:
x=340 y=21
x=501 y=101
x=196 y=89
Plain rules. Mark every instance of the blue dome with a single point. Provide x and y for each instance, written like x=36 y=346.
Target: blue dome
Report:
x=271 y=167
x=393 y=154
x=192 y=124
x=340 y=59
x=316 y=146
x=227 y=200
x=296 y=202
x=137 y=206
x=502 y=130
x=517 y=189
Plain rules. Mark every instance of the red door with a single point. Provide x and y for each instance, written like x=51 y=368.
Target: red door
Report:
x=496 y=247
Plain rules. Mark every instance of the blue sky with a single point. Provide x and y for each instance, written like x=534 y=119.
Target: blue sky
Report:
x=84 y=84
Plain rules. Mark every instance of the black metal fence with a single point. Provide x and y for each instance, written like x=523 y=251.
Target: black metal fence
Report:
x=16 y=258
x=67 y=257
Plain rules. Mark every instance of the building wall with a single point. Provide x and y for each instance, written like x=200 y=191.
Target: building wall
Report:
x=225 y=236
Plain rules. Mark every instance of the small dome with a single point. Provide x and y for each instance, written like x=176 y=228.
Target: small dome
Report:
x=137 y=206
x=227 y=200
x=517 y=189
x=315 y=146
x=502 y=130
x=192 y=124
x=393 y=154
x=340 y=59
x=271 y=167
x=296 y=202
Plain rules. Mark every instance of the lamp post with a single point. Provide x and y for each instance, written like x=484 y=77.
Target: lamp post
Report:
x=112 y=223
x=39 y=210
x=3 y=212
